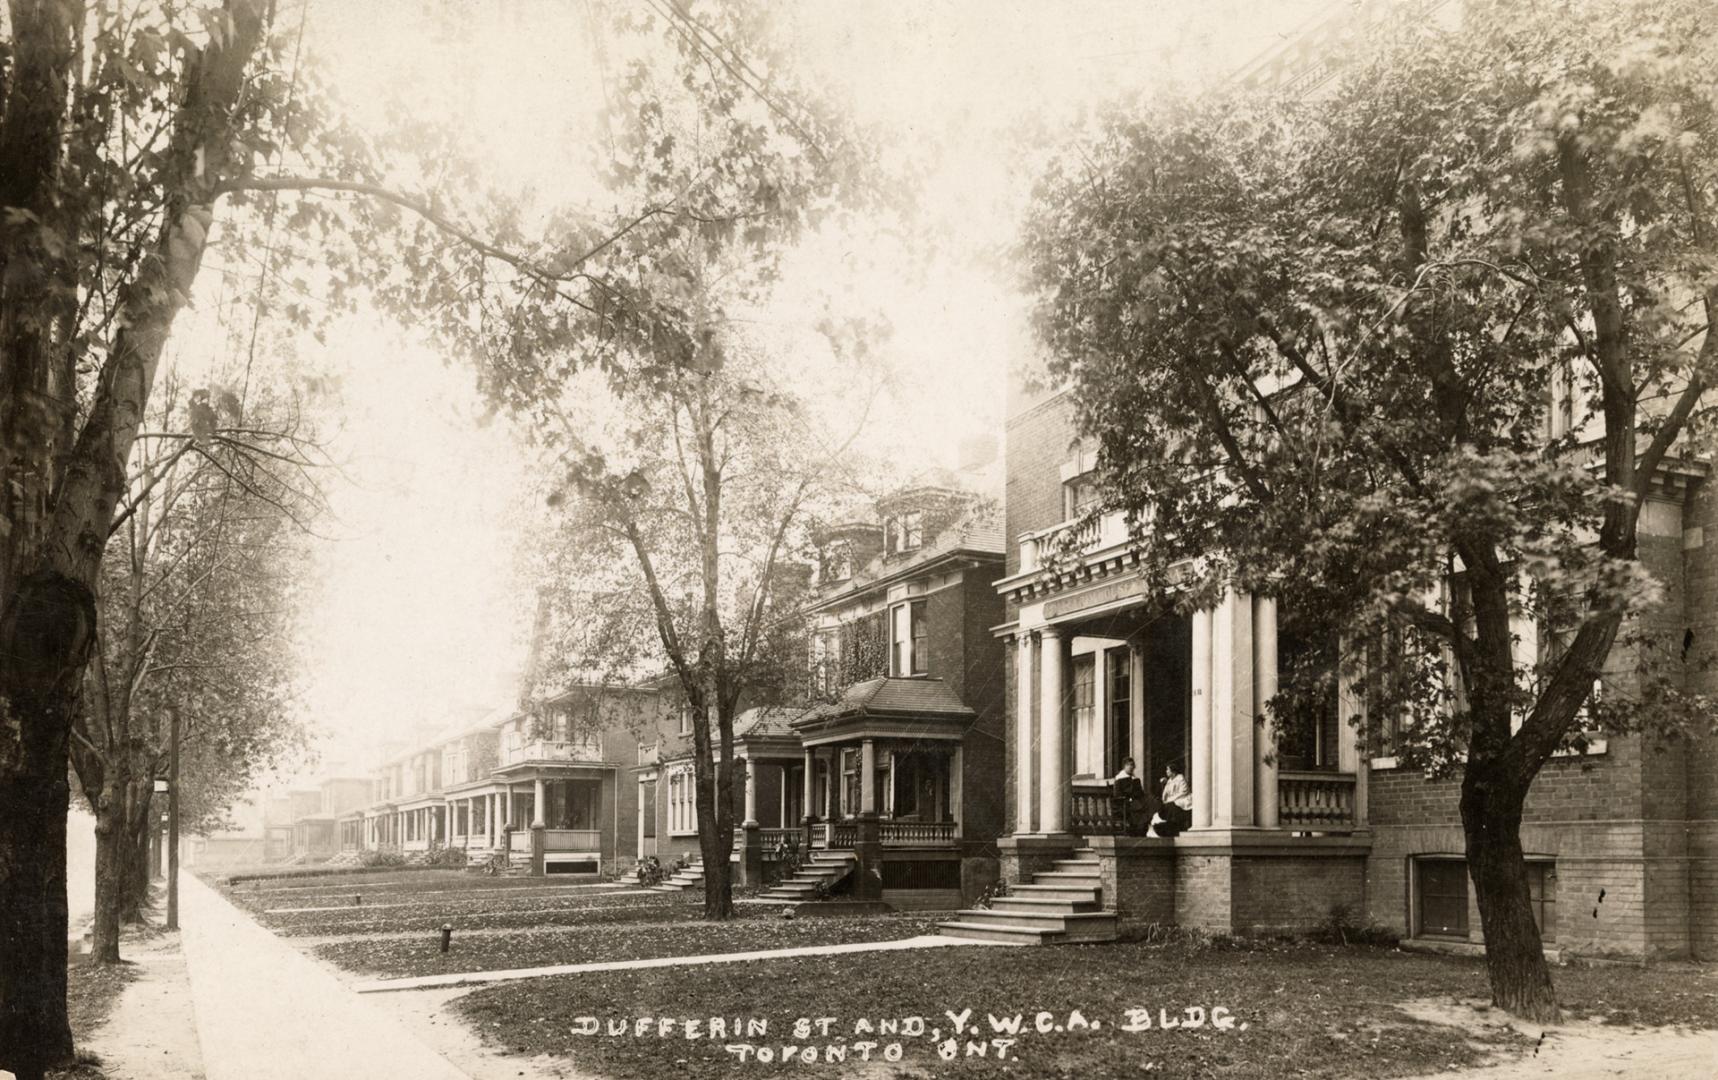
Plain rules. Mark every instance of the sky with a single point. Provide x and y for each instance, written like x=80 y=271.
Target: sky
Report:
x=410 y=607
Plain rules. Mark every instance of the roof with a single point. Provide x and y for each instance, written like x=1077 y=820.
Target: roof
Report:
x=889 y=697
x=978 y=531
x=765 y=722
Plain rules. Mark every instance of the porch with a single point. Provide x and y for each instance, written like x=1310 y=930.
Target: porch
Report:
x=550 y=813
x=1278 y=832
x=883 y=770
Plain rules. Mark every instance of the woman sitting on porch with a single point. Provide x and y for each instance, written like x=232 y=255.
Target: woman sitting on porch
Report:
x=1176 y=813
x=1129 y=796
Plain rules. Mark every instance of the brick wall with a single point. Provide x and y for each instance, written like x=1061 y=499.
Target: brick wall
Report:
x=1700 y=756
x=1202 y=892
x=1038 y=443
x=983 y=786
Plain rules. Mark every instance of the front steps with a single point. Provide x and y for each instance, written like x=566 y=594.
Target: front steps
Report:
x=689 y=877
x=825 y=867
x=1061 y=905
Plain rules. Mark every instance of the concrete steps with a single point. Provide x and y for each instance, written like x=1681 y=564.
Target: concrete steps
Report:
x=825 y=868
x=1064 y=904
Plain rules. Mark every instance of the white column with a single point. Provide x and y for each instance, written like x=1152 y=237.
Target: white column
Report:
x=809 y=782
x=1199 y=771
x=537 y=820
x=954 y=807
x=890 y=801
x=1053 y=767
x=1232 y=711
x=1265 y=801
x=751 y=792
x=868 y=776
x=1023 y=667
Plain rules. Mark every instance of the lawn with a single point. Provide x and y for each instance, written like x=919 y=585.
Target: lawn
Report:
x=1289 y=1009
x=612 y=940
x=488 y=912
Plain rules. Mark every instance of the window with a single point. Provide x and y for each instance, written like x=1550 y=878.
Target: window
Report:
x=1079 y=495
x=852 y=783
x=837 y=561
x=682 y=804
x=912 y=530
x=1118 y=669
x=1442 y=901
x=686 y=719
x=904 y=532
x=909 y=639
x=1088 y=739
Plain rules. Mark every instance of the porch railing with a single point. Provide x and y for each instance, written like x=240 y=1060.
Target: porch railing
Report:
x=772 y=838
x=916 y=833
x=572 y=840
x=843 y=835
x=1095 y=811
x=1315 y=800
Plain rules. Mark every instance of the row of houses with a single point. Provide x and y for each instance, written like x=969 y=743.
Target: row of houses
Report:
x=972 y=700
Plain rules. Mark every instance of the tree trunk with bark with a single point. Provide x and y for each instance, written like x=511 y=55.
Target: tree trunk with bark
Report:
x=1514 y=952
x=45 y=635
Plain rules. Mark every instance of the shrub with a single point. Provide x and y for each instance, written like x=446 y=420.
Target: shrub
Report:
x=448 y=857
x=381 y=857
x=1341 y=927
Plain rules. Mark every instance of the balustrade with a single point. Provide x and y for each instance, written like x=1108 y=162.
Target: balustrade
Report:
x=1315 y=800
x=916 y=833
x=1095 y=811
x=843 y=835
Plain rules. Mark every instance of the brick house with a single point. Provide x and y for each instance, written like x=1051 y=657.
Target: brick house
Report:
x=543 y=787
x=906 y=717
x=1622 y=839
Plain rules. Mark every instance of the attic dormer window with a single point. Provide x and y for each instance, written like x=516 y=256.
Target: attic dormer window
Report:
x=838 y=561
x=905 y=532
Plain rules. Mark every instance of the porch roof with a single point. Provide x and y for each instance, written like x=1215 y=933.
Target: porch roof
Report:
x=892 y=706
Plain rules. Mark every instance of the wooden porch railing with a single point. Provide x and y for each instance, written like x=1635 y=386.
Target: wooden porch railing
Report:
x=843 y=835
x=916 y=833
x=1315 y=800
x=572 y=840
x=771 y=838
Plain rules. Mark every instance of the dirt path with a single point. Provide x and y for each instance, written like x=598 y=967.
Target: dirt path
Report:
x=152 y=1032
x=1586 y=1050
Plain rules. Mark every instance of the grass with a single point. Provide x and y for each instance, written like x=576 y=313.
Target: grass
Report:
x=395 y=957
x=1308 y=1009
x=489 y=914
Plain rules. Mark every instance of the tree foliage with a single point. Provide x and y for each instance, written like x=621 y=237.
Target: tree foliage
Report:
x=1326 y=346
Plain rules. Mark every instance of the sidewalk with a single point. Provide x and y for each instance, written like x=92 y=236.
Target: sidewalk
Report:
x=152 y=1032
x=267 y=1012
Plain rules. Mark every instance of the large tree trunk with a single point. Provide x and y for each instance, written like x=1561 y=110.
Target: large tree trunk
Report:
x=134 y=883
x=715 y=841
x=1514 y=953
x=45 y=635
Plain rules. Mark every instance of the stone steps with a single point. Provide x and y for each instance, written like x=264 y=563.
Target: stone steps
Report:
x=823 y=868
x=1064 y=904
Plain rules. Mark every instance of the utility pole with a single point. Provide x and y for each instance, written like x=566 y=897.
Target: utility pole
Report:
x=173 y=819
